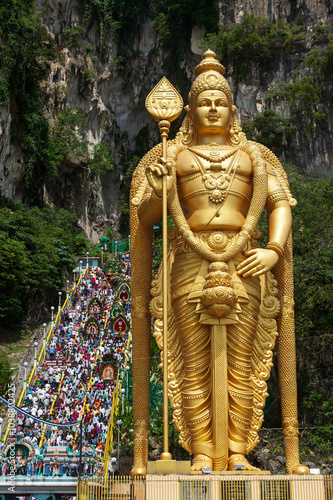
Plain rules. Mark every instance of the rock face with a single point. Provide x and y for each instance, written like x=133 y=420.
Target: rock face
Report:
x=113 y=102
x=11 y=160
x=232 y=11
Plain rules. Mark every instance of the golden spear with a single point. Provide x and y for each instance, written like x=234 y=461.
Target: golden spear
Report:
x=164 y=104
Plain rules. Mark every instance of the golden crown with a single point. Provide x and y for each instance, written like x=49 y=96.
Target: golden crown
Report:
x=209 y=73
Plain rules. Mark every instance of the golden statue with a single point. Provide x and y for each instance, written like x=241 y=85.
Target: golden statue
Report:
x=225 y=307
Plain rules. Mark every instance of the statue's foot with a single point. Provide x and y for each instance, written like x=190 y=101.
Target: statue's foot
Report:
x=201 y=461
x=238 y=459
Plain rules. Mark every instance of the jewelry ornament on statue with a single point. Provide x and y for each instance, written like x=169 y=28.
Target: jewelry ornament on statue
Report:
x=217 y=184
x=273 y=245
x=155 y=197
x=257 y=205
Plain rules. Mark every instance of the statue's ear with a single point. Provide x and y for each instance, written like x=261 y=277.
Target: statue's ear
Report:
x=234 y=109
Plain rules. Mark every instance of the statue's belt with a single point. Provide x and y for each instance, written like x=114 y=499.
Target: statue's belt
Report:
x=194 y=291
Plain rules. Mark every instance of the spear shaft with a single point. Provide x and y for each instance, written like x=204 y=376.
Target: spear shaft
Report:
x=164 y=104
x=164 y=126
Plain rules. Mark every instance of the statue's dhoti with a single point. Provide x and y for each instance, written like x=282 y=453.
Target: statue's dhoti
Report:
x=194 y=332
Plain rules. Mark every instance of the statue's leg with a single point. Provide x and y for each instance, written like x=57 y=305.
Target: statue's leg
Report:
x=196 y=393
x=195 y=344
x=240 y=346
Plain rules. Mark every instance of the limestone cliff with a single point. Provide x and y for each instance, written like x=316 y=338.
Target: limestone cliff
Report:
x=112 y=99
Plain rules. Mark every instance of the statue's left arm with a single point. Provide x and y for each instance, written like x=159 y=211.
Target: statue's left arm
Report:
x=278 y=204
x=261 y=260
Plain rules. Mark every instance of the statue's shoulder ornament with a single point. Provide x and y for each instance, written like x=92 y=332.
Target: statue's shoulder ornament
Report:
x=275 y=167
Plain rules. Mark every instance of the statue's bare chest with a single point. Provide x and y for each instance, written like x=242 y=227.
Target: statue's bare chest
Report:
x=213 y=172
x=213 y=161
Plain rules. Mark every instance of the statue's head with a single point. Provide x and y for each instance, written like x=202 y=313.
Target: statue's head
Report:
x=209 y=76
x=210 y=84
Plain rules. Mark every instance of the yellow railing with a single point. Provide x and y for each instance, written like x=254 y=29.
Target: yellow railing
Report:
x=109 y=435
x=114 y=411
x=42 y=354
x=230 y=486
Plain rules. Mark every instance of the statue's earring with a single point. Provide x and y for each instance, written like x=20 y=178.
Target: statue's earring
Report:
x=188 y=135
x=234 y=132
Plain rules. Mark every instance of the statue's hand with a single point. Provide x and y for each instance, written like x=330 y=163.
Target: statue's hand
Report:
x=259 y=261
x=155 y=173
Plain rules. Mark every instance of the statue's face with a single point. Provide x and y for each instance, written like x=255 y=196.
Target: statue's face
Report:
x=212 y=113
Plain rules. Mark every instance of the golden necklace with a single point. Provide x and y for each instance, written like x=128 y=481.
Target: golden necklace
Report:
x=215 y=156
x=218 y=181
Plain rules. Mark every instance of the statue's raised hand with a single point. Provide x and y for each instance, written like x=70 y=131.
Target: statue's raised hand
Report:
x=258 y=261
x=155 y=173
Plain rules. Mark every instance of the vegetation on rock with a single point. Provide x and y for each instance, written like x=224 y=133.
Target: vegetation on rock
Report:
x=255 y=41
x=272 y=129
x=174 y=22
x=26 y=53
x=26 y=50
x=118 y=16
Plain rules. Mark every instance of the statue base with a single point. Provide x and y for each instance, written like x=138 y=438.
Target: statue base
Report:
x=169 y=467
x=236 y=484
x=241 y=472
x=183 y=467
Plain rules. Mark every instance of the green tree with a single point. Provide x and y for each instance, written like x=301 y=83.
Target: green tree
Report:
x=313 y=253
x=272 y=129
x=71 y=36
x=13 y=272
x=36 y=254
x=254 y=42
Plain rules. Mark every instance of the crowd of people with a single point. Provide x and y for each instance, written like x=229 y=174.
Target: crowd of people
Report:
x=70 y=385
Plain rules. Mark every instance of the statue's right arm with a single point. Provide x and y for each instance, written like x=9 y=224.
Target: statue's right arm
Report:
x=150 y=209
